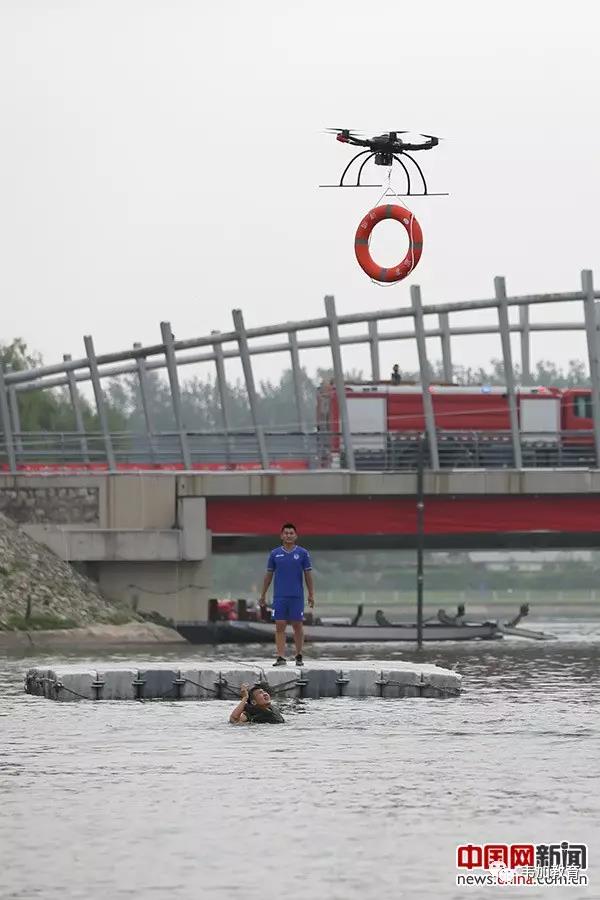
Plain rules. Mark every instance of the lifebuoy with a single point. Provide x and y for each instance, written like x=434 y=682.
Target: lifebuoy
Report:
x=363 y=233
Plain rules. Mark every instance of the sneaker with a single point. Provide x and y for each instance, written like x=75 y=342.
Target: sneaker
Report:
x=280 y=661
x=299 y=660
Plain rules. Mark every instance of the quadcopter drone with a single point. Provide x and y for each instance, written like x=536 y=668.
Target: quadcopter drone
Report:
x=385 y=149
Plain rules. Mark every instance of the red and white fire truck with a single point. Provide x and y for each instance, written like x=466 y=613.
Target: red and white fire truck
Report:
x=472 y=424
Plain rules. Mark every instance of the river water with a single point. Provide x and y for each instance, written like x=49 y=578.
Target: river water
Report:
x=351 y=799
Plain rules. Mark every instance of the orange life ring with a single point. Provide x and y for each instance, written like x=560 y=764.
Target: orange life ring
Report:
x=363 y=233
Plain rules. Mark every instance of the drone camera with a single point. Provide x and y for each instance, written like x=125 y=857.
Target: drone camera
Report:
x=384 y=159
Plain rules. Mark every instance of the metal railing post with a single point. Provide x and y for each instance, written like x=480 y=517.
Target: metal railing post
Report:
x=143 y=383
x=100 y=405
x=420 y=537
x=444 y=322
x=415 y=296
x=223 y=395
x=374 y=350
x=338 y=376
x=297 y=379
x=75 y=403
x=6 y=425
x=500 y=292
x=591 y=332
x=525 y=345
x=16 y=418
x=238 y=323
x=171 y=361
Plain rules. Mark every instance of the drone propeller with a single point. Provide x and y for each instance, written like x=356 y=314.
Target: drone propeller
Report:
x=342 y=131
x=419 y=133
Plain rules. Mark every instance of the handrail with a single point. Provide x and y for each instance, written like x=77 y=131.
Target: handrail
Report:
x=171 y=353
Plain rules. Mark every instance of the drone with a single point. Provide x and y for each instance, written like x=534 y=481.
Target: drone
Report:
x=385 y=149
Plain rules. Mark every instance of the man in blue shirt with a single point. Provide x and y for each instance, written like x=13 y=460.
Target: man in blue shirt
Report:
x=288 y=563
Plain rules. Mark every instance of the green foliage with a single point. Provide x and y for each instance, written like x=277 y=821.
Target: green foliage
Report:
x=157 y=619
x=50 y=410
x=545 y=373
x=43 y=622
x=120 y=617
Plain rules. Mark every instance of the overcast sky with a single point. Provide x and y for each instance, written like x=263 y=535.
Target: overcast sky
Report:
x=160 y=160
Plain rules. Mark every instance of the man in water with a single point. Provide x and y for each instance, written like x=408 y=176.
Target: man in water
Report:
x=288 y=563
x=255 y=706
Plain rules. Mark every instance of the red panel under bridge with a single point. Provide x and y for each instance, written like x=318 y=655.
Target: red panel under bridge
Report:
x=542 y=520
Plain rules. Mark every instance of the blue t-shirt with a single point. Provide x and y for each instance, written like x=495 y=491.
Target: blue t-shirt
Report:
x=289 y=566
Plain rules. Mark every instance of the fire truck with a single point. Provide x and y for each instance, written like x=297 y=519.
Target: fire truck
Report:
x=472 y=424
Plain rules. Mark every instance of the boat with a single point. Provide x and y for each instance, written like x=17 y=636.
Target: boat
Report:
x=526 y=633
x=341 y=630
x=511 y=628
x=237 y=632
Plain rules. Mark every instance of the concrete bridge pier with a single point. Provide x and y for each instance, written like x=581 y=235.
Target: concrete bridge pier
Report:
x=144 y=545
x=178 y=590
x=172 y=577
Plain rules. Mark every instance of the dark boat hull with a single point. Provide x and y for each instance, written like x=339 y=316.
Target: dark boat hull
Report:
x=515 y=631
x=264 y=633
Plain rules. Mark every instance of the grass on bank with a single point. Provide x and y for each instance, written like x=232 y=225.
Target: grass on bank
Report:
x=51 y=622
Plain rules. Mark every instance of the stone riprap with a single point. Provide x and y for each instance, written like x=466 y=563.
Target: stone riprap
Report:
x=222 y=681
x=58 y=505
x=36 y=585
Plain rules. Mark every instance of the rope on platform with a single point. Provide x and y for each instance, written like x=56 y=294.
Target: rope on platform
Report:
x=59 y=686
x=223 y=685
x=420 y=684
x=234 y=692
x=283 y=687
x=203 y=687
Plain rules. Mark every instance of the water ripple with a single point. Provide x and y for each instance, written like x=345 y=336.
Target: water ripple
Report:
x=353 y=799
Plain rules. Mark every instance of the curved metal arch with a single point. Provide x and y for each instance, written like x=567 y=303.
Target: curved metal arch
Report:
x=406 y=172
x=362 y=165
x=354 y=158
x=419 y=170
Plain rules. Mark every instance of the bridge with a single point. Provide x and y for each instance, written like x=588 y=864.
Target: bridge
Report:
x=298 y=445
x=148 y=538
x=144 y=513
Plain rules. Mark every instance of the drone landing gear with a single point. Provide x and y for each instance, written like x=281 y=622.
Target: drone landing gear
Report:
x=385 y=158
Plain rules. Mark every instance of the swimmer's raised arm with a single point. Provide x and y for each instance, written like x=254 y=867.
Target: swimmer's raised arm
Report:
x=237 y=715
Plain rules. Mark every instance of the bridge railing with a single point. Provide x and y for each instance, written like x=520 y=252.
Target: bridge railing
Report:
x=295 y=451
x=418 y=324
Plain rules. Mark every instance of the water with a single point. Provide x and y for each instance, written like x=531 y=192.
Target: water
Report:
x=351 y=799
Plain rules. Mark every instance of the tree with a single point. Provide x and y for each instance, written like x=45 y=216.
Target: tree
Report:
x=49 y=409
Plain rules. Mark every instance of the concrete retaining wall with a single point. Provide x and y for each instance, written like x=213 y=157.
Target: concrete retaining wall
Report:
x=66 y=504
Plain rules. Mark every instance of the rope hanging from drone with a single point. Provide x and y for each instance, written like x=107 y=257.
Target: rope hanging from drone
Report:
x=363 y=234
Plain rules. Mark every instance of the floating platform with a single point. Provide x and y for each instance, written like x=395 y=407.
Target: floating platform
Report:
x=222 y=681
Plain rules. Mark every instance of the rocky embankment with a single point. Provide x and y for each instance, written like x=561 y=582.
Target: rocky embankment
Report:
x=44 y=601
